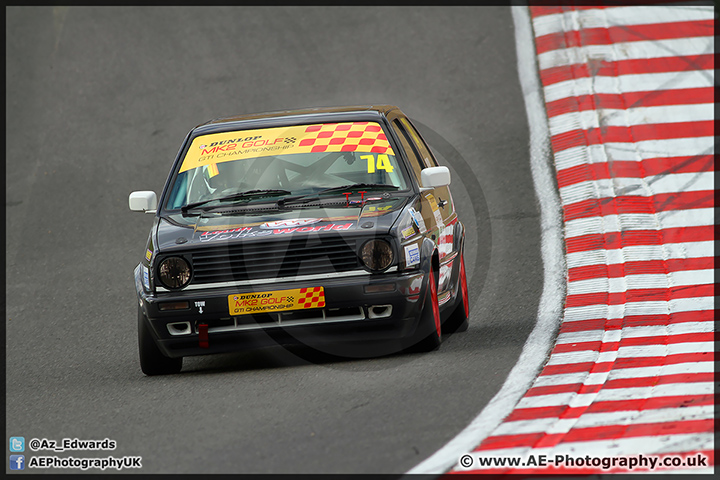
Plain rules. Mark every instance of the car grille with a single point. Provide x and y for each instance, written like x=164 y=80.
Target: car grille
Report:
x=257 y=260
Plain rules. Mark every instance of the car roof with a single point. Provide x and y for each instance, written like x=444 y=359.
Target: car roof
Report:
x=305 y=113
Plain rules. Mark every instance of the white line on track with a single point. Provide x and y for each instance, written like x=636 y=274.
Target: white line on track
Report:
x=539 y=342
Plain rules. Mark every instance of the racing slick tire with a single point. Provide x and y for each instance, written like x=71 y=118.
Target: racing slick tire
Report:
x=458 y=319
x=430 y=318
x=152 y=360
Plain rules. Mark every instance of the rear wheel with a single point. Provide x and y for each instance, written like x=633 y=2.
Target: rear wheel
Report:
x=152 y=360
x=458 y=320
x=430 y=318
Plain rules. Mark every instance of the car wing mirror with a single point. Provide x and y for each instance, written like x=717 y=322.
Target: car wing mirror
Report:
x=433 y=177
x=145 y=201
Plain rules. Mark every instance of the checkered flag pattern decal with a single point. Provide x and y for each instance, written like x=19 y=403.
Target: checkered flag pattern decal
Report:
x=346 y=137
x=312 y=297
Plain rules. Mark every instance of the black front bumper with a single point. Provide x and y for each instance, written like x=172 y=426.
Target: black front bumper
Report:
x=387 y=320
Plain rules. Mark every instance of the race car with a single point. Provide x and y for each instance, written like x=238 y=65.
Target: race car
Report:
x=332 y=228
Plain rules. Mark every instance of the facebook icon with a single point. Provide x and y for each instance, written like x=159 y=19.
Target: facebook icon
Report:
x=17 y=462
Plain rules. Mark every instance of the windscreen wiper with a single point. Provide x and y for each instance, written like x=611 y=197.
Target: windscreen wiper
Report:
x=236 y=196
x=353 y=186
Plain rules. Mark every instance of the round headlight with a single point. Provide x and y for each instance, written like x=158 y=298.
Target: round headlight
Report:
x=376 y=254
x=174 y=272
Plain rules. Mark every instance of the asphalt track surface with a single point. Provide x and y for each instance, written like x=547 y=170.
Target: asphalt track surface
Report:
x=98 y=102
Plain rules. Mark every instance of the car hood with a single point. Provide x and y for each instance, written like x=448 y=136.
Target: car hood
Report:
x=373 y=216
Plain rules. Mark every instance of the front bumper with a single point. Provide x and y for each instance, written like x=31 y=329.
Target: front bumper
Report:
x=351 y=314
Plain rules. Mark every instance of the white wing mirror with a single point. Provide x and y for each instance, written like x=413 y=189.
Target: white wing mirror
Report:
x=145 y=201
x=433 y=177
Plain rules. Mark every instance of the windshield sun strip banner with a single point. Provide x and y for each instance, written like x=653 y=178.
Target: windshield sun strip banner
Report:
x=366 y=137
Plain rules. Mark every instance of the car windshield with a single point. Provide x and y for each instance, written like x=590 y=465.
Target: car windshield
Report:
x=302 y=160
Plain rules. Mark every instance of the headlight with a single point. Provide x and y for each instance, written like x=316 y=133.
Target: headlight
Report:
x=376 y=254
x=174 y=272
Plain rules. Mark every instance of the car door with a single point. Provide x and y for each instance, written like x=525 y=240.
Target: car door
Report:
x=437 y=205
x=441 y=205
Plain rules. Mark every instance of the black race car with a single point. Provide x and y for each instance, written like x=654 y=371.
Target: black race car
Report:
x=332 y=228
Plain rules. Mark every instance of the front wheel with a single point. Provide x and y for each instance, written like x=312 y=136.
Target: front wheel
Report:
x=152 y=360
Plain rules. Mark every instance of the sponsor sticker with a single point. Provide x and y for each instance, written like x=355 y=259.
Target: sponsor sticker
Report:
x=233 y=233
x=408 y=232
x=200 y=305
x=412 y=255
x=417 y=220
x=146 y=278
x=378 y=209
x=435 y=209
x=365 y=137
x=276 y=301
x=297 y=222
x=249 y=232
x=148 y=254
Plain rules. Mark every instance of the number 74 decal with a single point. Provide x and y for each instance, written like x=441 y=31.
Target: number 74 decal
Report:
x=383 y=163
